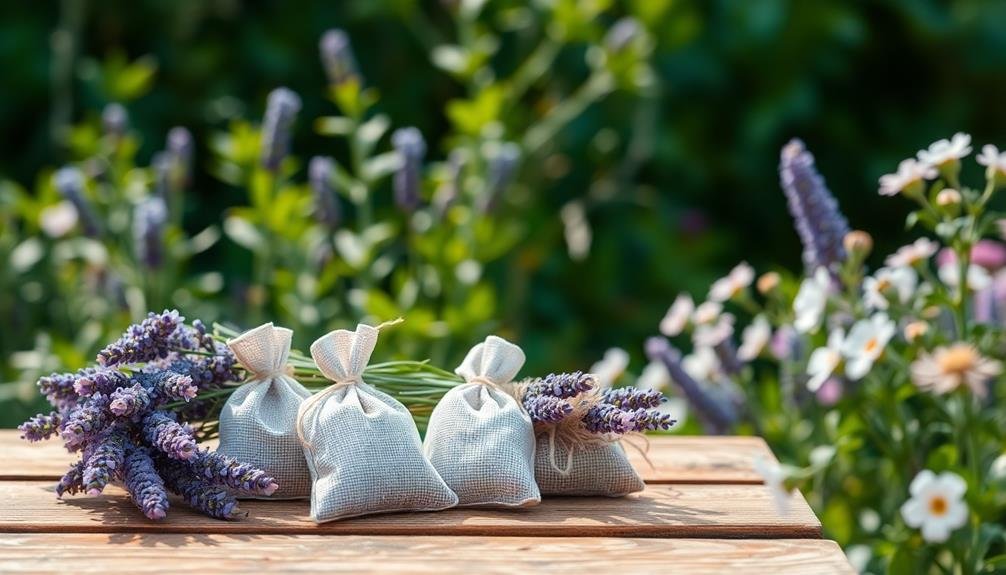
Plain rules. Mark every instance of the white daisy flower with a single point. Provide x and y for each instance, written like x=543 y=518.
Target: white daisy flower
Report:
x=58 y=219
x=909 y=176
x=775 y=479
x=729 y=287
x=713 y=334
x=702 y=365
x=948 y=368
x=865 y=344
x=978 y=277
x=611 y=367
x=914 y=253
x=811 y=300
x=754 y=338
x=654 y=377
x=946 y=152
x=937 y=505
x=825 y=360
x=677 y=316
x=708 y=312
x=994 y=162
x=889 y=281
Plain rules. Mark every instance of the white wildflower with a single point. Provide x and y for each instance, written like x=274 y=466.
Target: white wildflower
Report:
x=994 y=162
x=58 y=219
x=948 y=368
x=936 y=505
x=825 y=360
x=889 y=281
x=611 y=367
x=909 y=177
x=677 y=316
x=866 y=343
x=729 y=287
x=914 y=253
x=754 y=338
x=946 y=152
x=708 y=312
x=978 y=277
x=713 y=334
x=811 y=300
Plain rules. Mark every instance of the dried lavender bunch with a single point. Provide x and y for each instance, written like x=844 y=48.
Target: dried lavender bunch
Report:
x=202 y=495
x=562 y=385
x=546 y=408
x=815 y=212
x=143 y=342
x=411 y=148
x=40 y=427
x=632 y=398
x=281 y=111
x=161 y=430
x=145 y=486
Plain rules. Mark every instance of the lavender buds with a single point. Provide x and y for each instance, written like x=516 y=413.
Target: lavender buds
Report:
x=281 y=112
x=411 y=148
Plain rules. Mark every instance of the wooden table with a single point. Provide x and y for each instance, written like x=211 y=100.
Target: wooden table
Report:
x=704 y=510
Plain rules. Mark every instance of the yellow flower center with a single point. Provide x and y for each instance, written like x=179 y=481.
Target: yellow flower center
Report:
x=938 y=506
x=871 y=345
x=883 y=284
x=957 y=359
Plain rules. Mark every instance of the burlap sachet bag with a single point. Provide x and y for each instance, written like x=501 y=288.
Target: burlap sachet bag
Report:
x=570 y=460
x=362 y=445
x=479 y=438
x=257 y=424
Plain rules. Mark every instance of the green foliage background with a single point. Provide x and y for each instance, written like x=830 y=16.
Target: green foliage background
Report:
x=680 y=182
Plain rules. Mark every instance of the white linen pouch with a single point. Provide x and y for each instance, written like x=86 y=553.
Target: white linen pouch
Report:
x=362 y=445
x=479 y=438
x=257 y=424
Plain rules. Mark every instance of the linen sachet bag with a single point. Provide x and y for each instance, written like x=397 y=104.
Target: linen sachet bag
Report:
x=479 y=438
x=362 y=446
x=570 y=457
x=257 y=424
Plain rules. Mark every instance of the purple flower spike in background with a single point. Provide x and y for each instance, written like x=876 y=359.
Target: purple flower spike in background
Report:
x=69 y=182
x=170 y=437
x=115 y=120
x=546 y=409
x=180 y=149
x=502 y=166
x=411 y=148
x=146 y=341
x=40 y=427
x=281 y=111
x=144 y=485
x=818 y=221
x=326 y=205
x=337 y=57
x=149 y=219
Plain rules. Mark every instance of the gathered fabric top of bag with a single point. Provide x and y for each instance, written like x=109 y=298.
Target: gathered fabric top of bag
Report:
x=494 y=362
x=263 y=351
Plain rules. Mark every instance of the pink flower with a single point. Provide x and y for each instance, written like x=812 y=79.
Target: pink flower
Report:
x=988 y=254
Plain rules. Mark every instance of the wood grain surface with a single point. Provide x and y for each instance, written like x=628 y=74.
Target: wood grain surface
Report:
x=140 y=554
x=716 y=511
x=668 y=459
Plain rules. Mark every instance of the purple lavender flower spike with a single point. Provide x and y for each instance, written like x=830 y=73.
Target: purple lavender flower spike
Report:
x=632 y=398
x=146 y=341
x=818 y=221
x=326 y=206
x=105 y=381
x=212 y=500
x=115 y=120
x=170 y=437
x=606 y=418
x=144 y=485
x=149 y=219
x=164 y=385
x=69 y=182
x=411 y=148
x=180 y=150
x=208 y=372
x=644 y=420
x=717 y=416
x=105 y=463
x=547 y=409
x=337 y=57
x=72 y=481
x=280 y=113
x=501 y=171
x=40 y=427
x=129 y=401
x=562 y=385
x=58 y=389
x=227 y=471
x=85 y=421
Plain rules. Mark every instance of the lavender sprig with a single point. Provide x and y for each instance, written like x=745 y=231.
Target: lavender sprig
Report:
x=59 y=390
x=605 y=418
x=145 y=486
x=208 y=372
x=562 y=385
x=502 y=166
x=227 y=471
x=167 y=435
x=143 y=342
x=281 y=111
x=115 y=120
x=105 y=463
x=105 y=381
x=645 y=420
x=85 y=421
x=180 y=150
x=411 y=148
x=326 y=206
x=337 y=57
x=129 y=401
x=632 y=398
x=212 y=500
x=149 y=218
x=165 y=385
x=546 y=408
x=69 y=182
x=72 y=481
x=40 y=427
x=818 y=221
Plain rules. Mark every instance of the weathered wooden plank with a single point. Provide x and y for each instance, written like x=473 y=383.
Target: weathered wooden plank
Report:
x=716 y=511
x=242 y=554
x=674 y=459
